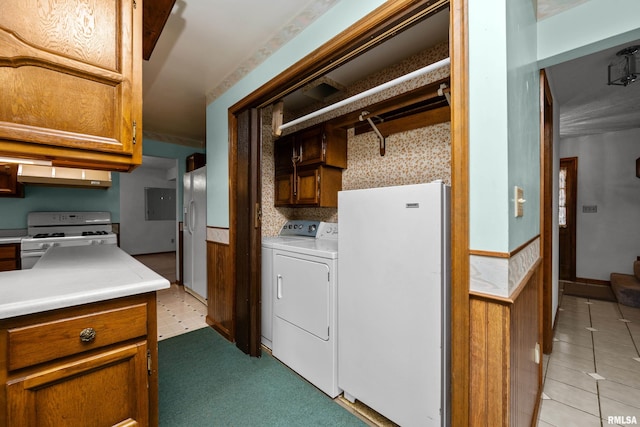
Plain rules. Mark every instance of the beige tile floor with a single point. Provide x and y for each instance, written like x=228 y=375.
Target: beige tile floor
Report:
x=178 y=311
x=592 y=377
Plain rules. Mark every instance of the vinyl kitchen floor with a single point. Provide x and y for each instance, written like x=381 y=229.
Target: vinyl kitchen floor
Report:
x=178 y=311
x=592 y=376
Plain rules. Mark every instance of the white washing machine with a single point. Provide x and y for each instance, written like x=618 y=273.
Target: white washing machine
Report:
x=304 y=307
x=291 y=231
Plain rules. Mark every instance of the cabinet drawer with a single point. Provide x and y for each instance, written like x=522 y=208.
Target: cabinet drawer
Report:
x=8 y=251
x=8 y=265
x=47 y=341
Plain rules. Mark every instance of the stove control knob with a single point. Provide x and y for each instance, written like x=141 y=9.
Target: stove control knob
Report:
x=44 y=245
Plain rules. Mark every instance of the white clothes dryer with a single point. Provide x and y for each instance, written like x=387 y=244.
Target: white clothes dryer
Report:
x=304 y=307
x=292 y=230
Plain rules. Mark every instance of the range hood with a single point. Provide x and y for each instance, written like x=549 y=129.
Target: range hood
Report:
x=64 y=177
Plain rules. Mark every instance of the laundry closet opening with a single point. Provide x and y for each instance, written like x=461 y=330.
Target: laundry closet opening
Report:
x=413 y=118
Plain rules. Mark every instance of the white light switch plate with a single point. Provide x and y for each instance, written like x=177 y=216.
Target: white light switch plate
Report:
x=518 y=199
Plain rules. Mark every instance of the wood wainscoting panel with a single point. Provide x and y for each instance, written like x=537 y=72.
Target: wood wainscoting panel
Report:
x=489 y=373
x=526 y=333
x=221 y=289
x=505 y=380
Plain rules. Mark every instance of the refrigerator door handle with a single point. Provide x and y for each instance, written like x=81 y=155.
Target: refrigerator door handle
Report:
x=279 y=287
x=192 y=215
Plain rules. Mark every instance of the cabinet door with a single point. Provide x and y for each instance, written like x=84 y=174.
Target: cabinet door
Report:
x=104 y=389
x=282 y=154
x=308 y=186
x=70 y=71
x=311 y=146
x=8 y=179
x=283 y=190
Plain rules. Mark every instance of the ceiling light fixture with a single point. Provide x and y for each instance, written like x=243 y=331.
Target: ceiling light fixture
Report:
x=623 y=70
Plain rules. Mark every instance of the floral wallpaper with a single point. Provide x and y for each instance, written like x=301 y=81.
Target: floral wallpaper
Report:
x=416 y=156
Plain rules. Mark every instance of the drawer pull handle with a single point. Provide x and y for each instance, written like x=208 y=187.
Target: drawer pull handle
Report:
x=87 y=335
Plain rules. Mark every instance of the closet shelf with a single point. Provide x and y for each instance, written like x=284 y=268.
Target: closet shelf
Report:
x=414 y=109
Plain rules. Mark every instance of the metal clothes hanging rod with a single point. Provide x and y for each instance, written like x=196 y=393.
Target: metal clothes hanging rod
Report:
x=431 y=67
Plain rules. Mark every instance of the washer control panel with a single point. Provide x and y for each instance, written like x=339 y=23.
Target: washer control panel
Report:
x=327 y=230
x=299 y=227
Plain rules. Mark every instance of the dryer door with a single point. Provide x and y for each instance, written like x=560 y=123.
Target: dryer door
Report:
x=302 y=292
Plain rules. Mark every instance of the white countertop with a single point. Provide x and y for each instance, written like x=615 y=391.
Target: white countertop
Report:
x=68 y=276
x=4 y=239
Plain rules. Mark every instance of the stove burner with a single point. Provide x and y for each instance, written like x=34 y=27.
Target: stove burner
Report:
x=94 y=233
x=47 y=235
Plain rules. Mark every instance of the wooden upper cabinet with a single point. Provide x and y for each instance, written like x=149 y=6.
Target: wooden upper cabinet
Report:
x=283 y=153
x=71 y=82
x=317 y=145
x=308 y=166
x=9 y=185
x=322 y=144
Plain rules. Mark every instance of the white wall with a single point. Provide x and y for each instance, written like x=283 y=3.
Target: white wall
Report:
x=609 y=240
x=138 y=236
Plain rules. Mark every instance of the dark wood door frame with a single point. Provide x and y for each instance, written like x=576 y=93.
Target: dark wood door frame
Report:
x=546 y=211
x=374 y=28
x=247 y=232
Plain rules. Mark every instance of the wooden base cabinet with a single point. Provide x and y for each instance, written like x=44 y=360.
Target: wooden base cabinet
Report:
x=10 y=257
x=91 y=365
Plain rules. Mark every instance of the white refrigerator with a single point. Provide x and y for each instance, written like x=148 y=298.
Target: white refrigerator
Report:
x=195 y=233
x=393 y=301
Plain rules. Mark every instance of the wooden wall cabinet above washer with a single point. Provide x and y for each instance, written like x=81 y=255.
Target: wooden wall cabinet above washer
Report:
x=317 y=145
x=308 y=167
x=72 y=82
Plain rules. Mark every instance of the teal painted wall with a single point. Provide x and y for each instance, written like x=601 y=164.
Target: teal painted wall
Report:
x=344 y=14
x=523 y=82
x=488 y=130
x=587 y=28
x=503 y=123
x=13 y=212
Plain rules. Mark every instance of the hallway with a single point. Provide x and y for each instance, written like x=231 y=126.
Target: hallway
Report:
x=592 y=377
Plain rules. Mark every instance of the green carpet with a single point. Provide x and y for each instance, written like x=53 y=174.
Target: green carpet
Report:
x=207 y=381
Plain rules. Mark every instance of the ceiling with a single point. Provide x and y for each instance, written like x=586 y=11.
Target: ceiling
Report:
x=588 y=105
x=207 y=46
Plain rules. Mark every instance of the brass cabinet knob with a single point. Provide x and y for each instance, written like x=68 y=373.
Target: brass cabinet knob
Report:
x=87 y=335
